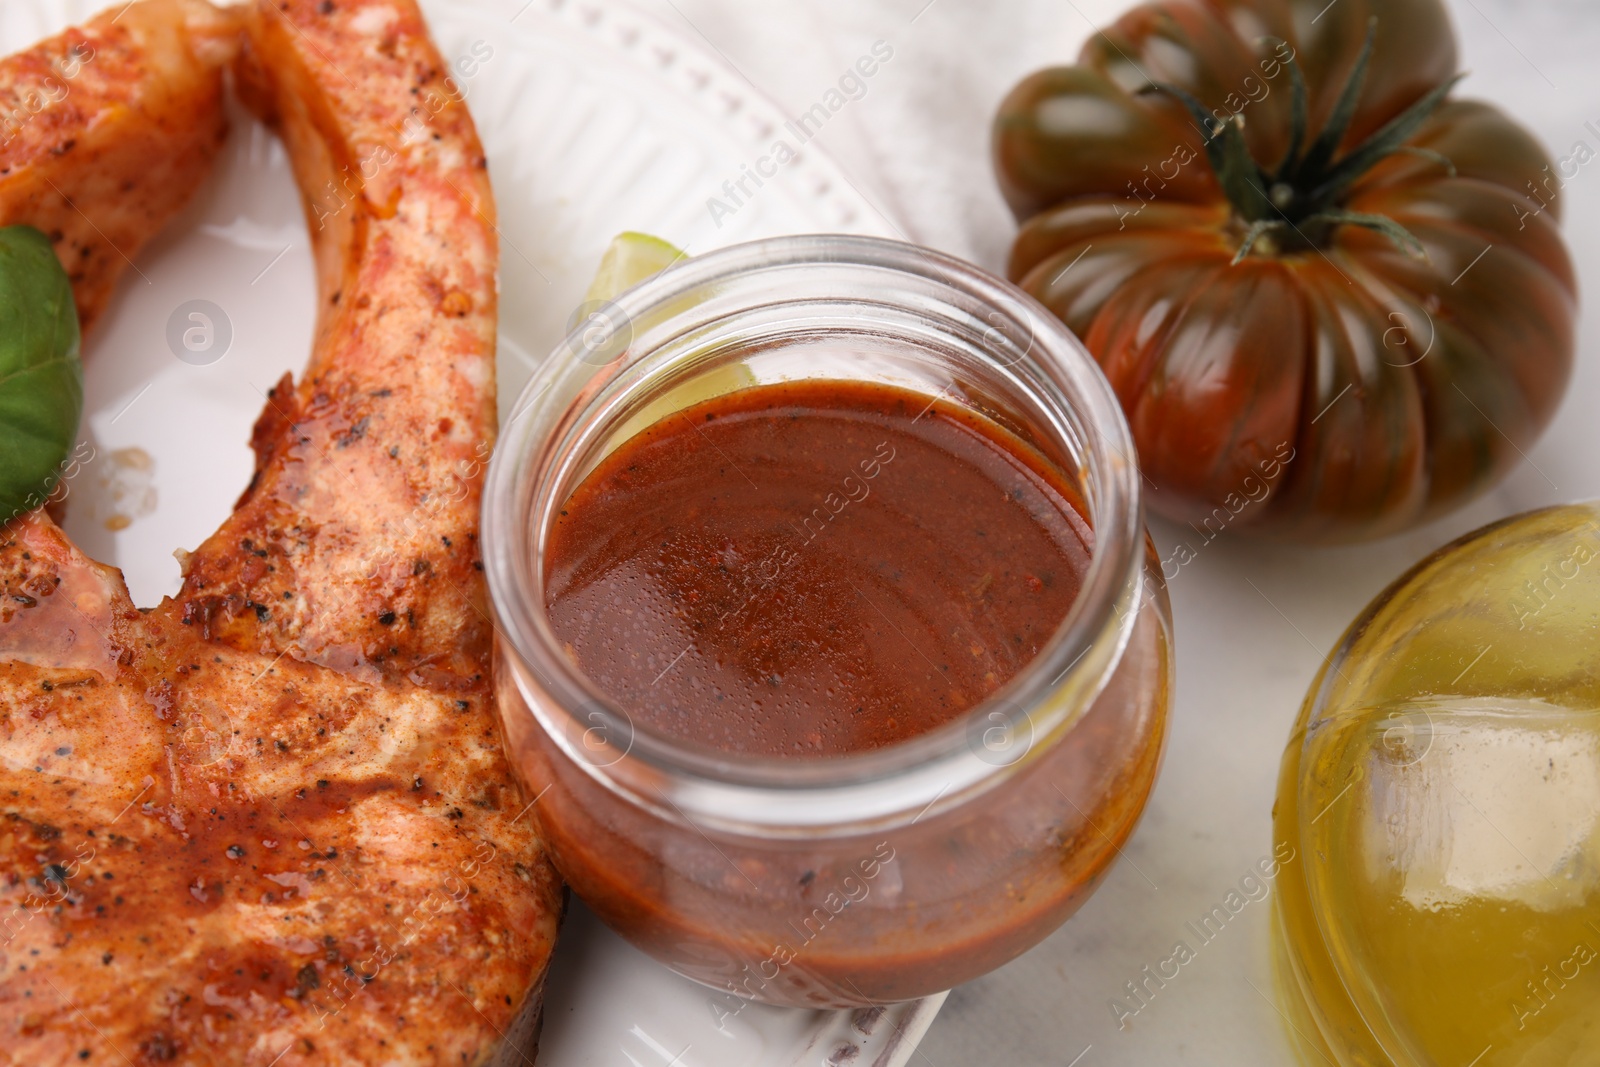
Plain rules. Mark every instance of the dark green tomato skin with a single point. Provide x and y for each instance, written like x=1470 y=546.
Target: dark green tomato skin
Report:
x=41 y=378
x=1332 y=390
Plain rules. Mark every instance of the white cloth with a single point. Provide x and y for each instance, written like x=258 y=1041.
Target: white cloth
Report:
x=917 y=143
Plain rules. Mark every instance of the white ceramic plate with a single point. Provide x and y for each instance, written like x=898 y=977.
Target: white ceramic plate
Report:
x=596 y=120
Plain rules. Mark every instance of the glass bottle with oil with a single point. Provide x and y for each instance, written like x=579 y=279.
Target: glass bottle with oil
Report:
x=1442 y=795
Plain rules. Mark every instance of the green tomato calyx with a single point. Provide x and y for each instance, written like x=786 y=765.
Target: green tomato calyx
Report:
x=1299 y=203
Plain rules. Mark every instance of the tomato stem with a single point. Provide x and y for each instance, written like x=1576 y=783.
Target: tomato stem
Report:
x=1300 y=204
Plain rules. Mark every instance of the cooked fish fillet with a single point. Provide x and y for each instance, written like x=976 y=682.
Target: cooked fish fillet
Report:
x=108 y=129
x=269 y=821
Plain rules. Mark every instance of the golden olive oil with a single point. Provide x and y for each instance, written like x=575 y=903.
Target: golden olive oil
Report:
x=1442 y=792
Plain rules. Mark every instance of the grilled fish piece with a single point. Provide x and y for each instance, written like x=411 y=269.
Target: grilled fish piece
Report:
x=107 y=130
x=269 y=821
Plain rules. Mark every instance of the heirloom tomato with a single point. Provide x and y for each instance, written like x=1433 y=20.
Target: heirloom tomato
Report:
x=1332 y=298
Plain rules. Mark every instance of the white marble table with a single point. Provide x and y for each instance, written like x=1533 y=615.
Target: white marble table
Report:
x=916 y=144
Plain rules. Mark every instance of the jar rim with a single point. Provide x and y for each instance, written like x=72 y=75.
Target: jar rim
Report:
x=909 y=773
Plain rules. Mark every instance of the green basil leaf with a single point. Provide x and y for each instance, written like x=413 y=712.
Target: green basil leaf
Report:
x=41 y=376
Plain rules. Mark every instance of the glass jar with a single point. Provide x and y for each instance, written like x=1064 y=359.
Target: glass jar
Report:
x=871 y=877
x=1441 y=799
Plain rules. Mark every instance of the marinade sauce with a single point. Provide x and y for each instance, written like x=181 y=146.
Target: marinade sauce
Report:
x=813 y=568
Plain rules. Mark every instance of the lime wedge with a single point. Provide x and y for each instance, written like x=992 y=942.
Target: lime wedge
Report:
x=631 y=259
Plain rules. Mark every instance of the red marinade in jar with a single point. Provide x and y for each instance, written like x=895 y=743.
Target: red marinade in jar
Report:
x=812 y=568
x=819 y=568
